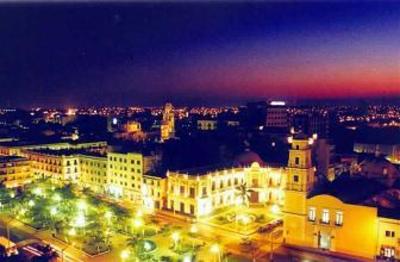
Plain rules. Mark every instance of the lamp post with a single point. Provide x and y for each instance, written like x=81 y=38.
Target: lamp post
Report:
x=193 y=230
x=125 y=254
x=216 y=250
x=175 y=237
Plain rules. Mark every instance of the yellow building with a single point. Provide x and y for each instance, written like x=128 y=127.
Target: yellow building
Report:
x=17 y=148
x=15 y=171
x=93 y=172
x=198 y=192
x=347 y=223
x=132 y=127
x=154 y=190
x=337 y=226
x=61 y=166
x=388 y=235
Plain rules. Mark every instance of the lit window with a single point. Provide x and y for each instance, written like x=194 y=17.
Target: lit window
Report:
x=339 y=218
x=388 y=252
x=325 y=216
x=311 y=214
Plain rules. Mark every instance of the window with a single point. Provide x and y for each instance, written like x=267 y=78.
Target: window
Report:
x=325 y=216
x=182 y=190
x=389 y=233
x=311 y=214
x=191 y=192
x=388 y=252
x=339 y=218
x=204 y=191
x=297 y=161
x=295 y=178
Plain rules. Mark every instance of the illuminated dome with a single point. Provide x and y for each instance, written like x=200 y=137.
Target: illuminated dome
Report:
x=247 y=158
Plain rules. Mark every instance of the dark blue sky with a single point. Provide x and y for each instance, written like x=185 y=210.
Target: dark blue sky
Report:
x=146 y=53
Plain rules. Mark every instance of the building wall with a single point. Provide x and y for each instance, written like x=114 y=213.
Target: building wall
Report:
x=93 y=173
x=125 y=173
x=15 y=172
x=355 y=234
x=59 y=168
x=207 y=125
x=199 y=195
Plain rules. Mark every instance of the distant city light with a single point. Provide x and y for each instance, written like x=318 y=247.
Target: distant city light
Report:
x=277 y=103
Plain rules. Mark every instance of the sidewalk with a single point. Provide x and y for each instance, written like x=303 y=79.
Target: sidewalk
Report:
x=325 y=253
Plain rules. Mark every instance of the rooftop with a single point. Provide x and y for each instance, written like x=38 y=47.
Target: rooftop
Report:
x=4 y=159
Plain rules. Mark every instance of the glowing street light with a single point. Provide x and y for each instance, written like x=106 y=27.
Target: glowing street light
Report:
x=194 y=229
x=139 y=213
x=53 y=211
x=175 y=237
x=137 y=223
x=108 y=215
x=80 y=220
x=72 y=232
x=216 y=250
x=275 y=209
x=82 y=205
x=125 y=254
x=31 y=203
x=37 y=191
x=57 y=198
x=187 y=259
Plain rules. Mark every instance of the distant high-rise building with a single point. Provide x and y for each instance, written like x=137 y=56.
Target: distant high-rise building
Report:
x=277 y=115
x=167 y=127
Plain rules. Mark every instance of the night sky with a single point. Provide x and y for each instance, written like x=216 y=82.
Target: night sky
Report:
x=196 y=53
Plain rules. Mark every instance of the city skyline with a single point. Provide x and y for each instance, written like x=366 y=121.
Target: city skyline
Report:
x=85 y=54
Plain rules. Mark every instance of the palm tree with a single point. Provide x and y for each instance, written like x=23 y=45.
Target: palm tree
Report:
x=244 y=193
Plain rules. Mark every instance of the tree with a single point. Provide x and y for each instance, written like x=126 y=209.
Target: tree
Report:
x=244 y=193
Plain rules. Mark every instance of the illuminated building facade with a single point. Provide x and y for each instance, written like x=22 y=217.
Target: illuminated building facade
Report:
x=15 y=171
x=335 y=223
x=167 y=128
x=93 y=172
x=199 y=192
x=277 y=115
x=207 y=124
x=125 y=173
x=61 y=166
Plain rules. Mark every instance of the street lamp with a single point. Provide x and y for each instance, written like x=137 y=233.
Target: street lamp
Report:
x=125 y=254
x=108 y=215
x=193 y=231
x=82 y=205
x=53 y=211
x=137 y=223
x=216 y=250
x=72 y=232
x=31 y=203
x=57 y=198
x=275 y=209
x=175 y=237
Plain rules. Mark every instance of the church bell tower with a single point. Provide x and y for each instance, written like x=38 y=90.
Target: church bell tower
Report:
x=299 y=182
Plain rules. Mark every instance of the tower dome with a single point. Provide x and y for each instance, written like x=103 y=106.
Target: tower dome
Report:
x=247 y=158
